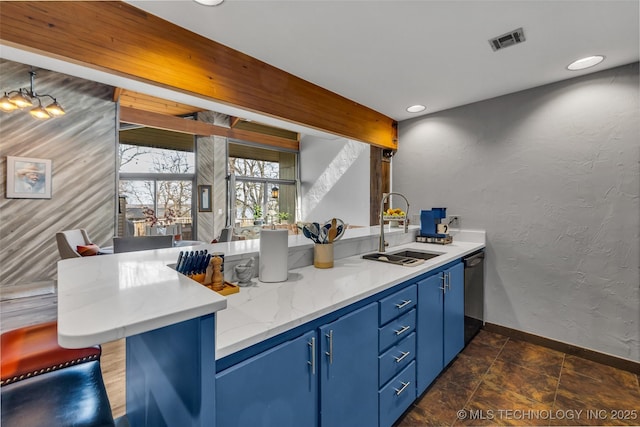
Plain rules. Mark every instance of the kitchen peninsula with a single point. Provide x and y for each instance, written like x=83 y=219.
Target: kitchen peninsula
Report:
x=187 y=346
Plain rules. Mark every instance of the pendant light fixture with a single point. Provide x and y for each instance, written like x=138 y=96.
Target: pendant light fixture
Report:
x=24 y=98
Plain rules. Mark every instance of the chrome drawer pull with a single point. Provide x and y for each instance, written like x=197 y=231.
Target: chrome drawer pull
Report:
x=330 y=352
x=403 y=304
x=404 y=385
x=403 y=330
x=404 y=354
x=312 y=344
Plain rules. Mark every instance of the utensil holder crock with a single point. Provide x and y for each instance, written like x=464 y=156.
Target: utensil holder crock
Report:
x=323 y=255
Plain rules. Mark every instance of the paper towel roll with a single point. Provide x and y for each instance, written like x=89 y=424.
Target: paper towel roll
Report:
x=274 y=254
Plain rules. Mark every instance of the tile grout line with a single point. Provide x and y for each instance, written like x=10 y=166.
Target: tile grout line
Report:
x=555 y=395
x=482 y=378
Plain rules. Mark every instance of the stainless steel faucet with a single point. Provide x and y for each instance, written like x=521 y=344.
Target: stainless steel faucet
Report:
x=385 y=196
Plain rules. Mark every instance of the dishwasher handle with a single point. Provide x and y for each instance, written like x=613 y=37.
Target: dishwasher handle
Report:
x=473 y=260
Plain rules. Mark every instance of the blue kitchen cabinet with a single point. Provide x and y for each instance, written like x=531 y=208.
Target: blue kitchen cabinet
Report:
x=170 y=375
x=453 y=313
x=430 y=330
x=348 y=369
x=279 y=387
x=440 y=322
x=276 y=388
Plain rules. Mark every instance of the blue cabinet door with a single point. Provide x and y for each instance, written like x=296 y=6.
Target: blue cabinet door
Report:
x=170 y=375
x=348 y=370
x=453 y=313
x=430 y=330
x=277 y=388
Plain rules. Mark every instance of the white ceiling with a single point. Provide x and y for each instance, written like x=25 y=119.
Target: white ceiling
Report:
x=390 y=54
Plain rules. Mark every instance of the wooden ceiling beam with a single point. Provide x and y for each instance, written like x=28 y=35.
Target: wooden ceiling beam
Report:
x=120 y=39
x=233 y=121
x=117 y=92
x=194 y=127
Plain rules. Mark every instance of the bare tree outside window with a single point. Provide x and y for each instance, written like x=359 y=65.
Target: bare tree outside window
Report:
x=171 y=199
x=249 y=195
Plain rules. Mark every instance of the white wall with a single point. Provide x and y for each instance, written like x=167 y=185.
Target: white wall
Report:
x=553 y=175
x=334 y=177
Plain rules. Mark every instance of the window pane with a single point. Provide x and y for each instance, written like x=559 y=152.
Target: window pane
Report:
x=140 y=194
x=174 y=205
x=254 y=168
x=283 y=209
x=249 y=208
x=158 y=203
x=140 y=159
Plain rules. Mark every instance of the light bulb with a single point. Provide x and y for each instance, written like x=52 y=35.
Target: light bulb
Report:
x=21 y=99
x=40 y=113
x=416 y=108
x=209 y=2
x=55 y=109
x=587 y=62
x=6 y=104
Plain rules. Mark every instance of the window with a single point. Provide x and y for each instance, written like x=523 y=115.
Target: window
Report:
x=157 y=172
x=265 y=184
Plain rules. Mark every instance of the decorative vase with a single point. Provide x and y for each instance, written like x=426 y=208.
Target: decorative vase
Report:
x=323 y=255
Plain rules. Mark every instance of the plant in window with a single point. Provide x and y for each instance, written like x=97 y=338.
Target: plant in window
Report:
x=257 y=214
x=257 y=211
x=283 y=217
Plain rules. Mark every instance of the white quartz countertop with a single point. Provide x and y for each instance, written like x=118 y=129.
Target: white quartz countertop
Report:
x=108 y=297
x=267 y=309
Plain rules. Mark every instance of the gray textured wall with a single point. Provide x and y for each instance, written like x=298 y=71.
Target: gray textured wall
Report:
x=211 y=159
x=81 y=145
x=552 y=174
x=334 y=178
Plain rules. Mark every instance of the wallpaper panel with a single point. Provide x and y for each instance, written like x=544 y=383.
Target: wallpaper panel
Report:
x=82 y=147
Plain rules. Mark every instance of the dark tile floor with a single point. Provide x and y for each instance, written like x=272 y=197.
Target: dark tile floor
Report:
x=500 y=381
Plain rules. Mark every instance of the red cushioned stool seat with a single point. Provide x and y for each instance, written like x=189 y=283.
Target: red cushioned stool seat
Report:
x=44 y=384
x=34 y=350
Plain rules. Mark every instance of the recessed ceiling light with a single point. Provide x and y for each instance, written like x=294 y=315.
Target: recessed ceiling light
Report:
x=209 y=2
x=416 y=108
x=587 y=62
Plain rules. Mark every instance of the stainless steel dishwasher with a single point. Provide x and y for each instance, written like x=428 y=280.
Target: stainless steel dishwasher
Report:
x=473 y=294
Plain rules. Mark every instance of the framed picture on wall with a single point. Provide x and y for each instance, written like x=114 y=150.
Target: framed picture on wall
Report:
x=204 y=198
x=28 y=178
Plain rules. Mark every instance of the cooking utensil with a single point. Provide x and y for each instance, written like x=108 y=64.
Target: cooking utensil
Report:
x=306 y=232
x=333 y=231
x=322 y=236
x=341 y=230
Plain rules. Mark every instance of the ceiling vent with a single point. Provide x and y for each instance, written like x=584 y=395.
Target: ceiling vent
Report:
x=507 y=39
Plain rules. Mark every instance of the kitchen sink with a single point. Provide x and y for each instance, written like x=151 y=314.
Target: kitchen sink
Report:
x=412 y=253
x=407 y=258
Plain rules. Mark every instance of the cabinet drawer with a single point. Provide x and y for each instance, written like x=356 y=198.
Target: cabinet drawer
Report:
x=397 y=395
x=396 y=358
x=396 y=330
x=398 y=303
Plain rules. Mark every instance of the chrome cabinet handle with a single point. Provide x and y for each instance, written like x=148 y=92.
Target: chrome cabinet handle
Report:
x=443 y=288
x=330 y=352
x=448 y=282
x=404 y=386
x=402 y=330
x=403 y=304
x=404 y=354
x=312 y=344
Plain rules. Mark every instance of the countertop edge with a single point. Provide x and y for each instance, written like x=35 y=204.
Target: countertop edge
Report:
x=404 y=274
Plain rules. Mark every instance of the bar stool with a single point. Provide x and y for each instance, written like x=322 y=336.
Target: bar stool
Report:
x=43 y=384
